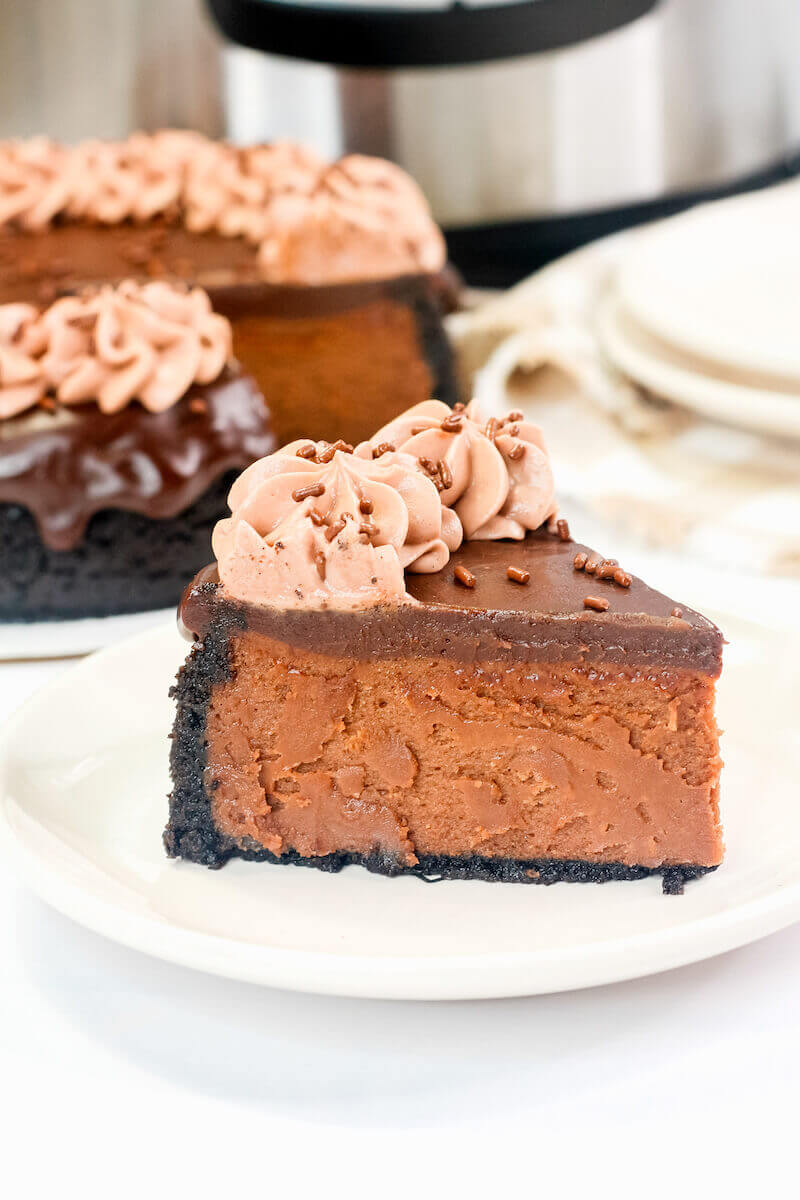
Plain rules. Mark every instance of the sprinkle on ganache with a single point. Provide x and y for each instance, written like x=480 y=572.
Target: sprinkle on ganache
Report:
x=598 y=603
x=517 y=575
x=464 y=577
x=580 y=560
x=562 y=529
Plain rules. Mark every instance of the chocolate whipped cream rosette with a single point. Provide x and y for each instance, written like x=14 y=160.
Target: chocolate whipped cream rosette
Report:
x=332 y=275
x=123 y=420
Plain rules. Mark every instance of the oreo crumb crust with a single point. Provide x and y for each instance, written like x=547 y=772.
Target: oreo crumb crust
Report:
x=126 y=562
x=192 y=835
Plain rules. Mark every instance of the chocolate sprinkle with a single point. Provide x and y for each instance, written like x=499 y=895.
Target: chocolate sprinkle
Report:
x=464 y=577
x=311 y=489
x=327 y=454
x=516 y=575
x=517 y=451
x=580 y=560
x=676 y=612
x=316 y=519
x=365 y=505
x=309 y=451
x=319 y=561
x=598 y=603
x=335 y=529
x=452 y=424
x=562 y=529
x=622 y=577
x=445 y=474
x=382 y=448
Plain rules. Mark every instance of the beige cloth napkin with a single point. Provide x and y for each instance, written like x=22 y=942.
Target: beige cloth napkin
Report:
x=649 y=468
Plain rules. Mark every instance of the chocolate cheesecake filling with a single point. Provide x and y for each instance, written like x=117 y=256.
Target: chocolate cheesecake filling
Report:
x=497 y=732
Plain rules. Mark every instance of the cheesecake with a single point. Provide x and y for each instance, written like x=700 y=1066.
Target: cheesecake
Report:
x=124 y=420
x=402 y=660
x=332 y=274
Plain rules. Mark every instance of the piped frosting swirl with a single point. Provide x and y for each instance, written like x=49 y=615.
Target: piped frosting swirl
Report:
x=148 y=342
x=311 y=221
x=496 y=475
x=315 y=526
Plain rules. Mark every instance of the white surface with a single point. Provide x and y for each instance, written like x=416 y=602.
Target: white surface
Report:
x=137 y=1077
x=64 y=639
x=721 y=282
x=653 y=365
x=85 y=812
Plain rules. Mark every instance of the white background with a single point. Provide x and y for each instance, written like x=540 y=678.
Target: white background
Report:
x=122 y=1075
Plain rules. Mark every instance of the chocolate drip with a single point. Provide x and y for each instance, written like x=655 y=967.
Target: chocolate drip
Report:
x=66 y=463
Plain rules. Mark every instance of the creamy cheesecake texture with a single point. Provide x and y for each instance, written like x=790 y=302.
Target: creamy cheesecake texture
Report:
x=485 y=722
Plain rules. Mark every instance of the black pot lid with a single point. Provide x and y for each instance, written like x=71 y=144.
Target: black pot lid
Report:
x=363 y=35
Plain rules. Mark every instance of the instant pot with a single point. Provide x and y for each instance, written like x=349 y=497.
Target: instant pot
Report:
x=532 y=126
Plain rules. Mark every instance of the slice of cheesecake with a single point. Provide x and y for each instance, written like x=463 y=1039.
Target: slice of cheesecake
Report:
x=519 y=710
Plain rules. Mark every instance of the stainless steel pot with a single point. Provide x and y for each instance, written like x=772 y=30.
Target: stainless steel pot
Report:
x=695 y=96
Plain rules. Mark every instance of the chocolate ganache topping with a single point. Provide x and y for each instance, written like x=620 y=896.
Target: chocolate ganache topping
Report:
x=310 y=222
x=120 y=398
x=318 y=526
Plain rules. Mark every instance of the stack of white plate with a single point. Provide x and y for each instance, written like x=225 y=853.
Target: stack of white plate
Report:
x=705 y=311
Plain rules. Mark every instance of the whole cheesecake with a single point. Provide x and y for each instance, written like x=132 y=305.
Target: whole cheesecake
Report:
x=332 y=274
x=402 y=660
x=123 y=421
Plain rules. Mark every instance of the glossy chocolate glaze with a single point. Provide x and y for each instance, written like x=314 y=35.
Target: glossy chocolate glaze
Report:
x=68 y=463
x=67 y=256
x=498 y=620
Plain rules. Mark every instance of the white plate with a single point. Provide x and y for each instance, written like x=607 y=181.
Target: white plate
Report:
x=64 y=639
x=721 y=282
x=82 y=808
x=651 y=363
